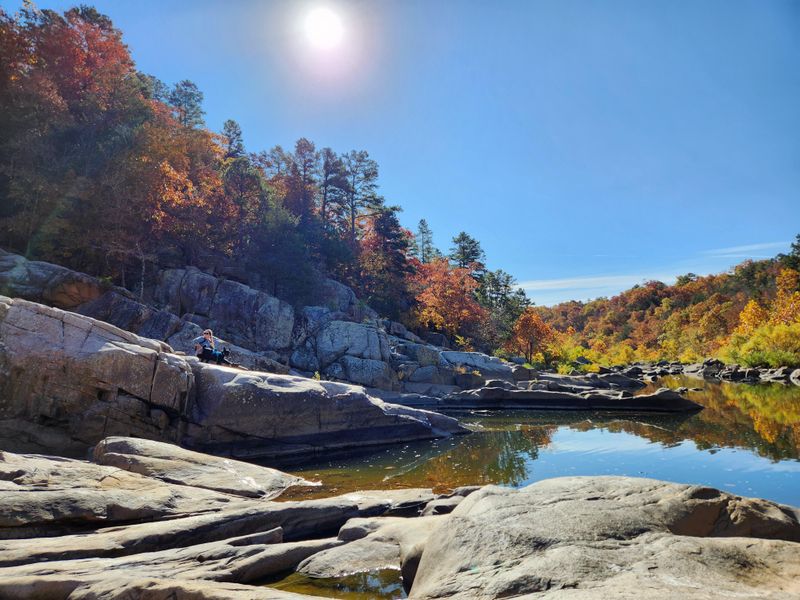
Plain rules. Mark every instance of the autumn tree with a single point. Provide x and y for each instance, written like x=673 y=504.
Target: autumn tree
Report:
x=752 y=317
x=786 y=306
x=530 y=335
x=445 y=298
x=384 y=264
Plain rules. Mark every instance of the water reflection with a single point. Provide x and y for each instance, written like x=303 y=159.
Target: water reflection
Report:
x=761 y=418
x=386 y=583
x=515 y=448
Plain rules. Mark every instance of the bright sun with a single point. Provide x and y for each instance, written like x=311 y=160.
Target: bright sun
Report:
x=323 y=28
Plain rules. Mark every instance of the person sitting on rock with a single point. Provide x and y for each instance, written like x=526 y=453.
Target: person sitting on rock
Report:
x=206 y=349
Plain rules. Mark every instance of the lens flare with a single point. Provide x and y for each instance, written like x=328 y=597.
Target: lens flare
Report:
x=323 y=28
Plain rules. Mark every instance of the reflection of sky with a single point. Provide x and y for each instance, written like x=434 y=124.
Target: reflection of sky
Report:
x=600 y=452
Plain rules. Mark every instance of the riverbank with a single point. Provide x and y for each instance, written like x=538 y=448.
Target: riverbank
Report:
x=149 y=518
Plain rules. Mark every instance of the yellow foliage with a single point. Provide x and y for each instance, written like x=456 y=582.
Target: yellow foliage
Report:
x=752 y=317
x=786 y=307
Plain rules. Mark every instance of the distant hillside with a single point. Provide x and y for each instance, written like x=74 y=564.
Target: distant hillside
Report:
x=695 y=318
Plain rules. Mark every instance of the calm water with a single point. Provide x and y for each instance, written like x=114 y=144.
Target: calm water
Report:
x=745 y=441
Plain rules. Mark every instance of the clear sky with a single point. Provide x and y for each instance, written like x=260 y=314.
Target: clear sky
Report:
x=587 y=145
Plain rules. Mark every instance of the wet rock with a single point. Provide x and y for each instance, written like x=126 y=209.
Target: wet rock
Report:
x=382 y=543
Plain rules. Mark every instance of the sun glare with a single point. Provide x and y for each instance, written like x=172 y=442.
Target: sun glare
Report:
x=323 y=28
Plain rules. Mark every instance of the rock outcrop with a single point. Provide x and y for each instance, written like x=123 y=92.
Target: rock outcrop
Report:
x=611 y=537
x=267 y=415
x=73 y=529
x=498 y=396
x=246 y=316
x=170 y=463
x=45 y=282
x=68 y=381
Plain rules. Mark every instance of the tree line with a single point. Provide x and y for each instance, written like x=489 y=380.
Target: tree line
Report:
x=111 y=171
x=749 y=315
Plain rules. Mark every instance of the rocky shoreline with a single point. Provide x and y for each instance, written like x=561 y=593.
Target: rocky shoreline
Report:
x=151 y=517
x=67 y=381
x=150 y=520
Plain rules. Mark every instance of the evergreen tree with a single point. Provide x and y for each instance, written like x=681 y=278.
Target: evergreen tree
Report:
x=505 y=304
x=187 y=99
x=332 y=188
x=467 y=251
x=303 y=180
x=154 y=88
x=384 y=266
x=792 y=260
x=423 y=247
x=362 y=185
x=233 y=135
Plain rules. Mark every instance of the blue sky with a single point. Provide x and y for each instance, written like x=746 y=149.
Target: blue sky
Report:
x=588 y=145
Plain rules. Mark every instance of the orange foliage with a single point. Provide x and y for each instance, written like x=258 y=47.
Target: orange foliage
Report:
x=445 y=297
x=530 y=335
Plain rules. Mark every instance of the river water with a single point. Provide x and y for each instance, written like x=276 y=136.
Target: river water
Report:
x=745 y=441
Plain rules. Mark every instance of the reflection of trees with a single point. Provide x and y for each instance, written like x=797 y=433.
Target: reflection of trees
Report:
x=762 y=418
x=488 y=457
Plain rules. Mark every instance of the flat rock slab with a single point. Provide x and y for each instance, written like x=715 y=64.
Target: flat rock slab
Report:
x=504 y=397
x=45 y=496
x=226 y=560
x=62 y=587
x=262 y=415
x=611 y=537
x=170 y=463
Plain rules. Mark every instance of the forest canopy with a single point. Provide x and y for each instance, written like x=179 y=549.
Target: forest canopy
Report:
x=114 y=172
